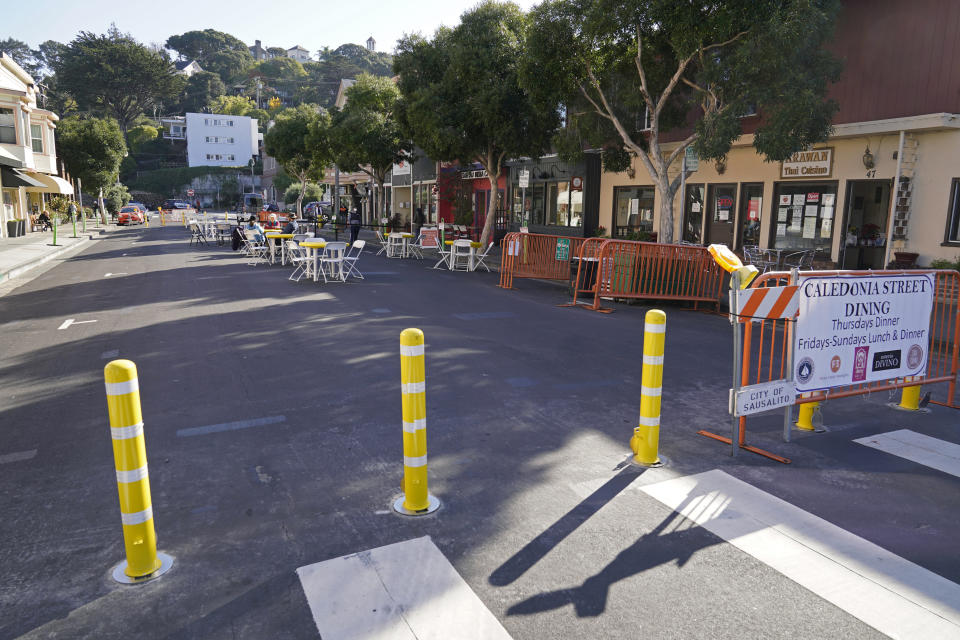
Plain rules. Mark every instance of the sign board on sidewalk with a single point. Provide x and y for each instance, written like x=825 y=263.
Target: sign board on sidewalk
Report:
x=563 y=249
x=762 y=397
x=690 y=159
x=524 y=178
x=859 y=329
x=190 y=192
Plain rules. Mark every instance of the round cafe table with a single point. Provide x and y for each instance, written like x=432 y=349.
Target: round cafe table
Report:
x=315 y=247
x=271 y=235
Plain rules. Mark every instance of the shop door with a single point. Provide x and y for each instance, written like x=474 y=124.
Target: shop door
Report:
x=867 y=211
x=721 y=202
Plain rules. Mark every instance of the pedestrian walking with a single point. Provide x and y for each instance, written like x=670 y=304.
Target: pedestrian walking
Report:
x=418 y=221
x=355 y=222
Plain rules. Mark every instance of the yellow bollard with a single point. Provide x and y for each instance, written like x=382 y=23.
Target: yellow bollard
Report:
x=805 y=414
x=910 y=398
x=646 y=436
x=130 y=456
x=162 y=222
x=416 y=499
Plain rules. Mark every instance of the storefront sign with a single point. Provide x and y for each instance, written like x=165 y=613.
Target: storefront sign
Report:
x=401 y=169
x=563 y=249
x=473 y=175
x=524 y=178
x=690 y=160
x=857 y=329
x=576 y=183
x=763 y=397
x=815 y=163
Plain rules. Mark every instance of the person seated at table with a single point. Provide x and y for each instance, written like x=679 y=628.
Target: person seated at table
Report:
x=292 y=225
x=272 y=222
x=253 y=225
x=44 y=221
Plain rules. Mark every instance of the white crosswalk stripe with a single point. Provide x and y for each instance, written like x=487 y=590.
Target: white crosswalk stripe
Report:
x=931 y=452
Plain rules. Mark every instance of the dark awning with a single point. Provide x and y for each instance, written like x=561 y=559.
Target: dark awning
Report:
x=13 y=178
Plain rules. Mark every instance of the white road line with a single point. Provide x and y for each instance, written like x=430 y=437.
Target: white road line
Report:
x=70 y=321
x=916 y=447
x=18 y=456
x=229 y=426
x=893 y=595
x=121 y=273
x=113 y=353
x=403 y=591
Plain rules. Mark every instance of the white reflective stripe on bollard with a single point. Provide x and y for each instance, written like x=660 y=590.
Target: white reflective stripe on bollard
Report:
x=122 y=388
x=125 y=433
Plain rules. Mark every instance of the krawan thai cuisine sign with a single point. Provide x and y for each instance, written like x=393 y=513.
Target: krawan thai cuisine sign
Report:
x=858 y=329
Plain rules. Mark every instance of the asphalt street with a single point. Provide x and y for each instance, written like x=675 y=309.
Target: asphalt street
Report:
x=273 y=432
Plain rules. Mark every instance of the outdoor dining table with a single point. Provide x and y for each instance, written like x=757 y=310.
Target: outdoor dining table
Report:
x=273 y=245
x=473 y=254
x=315 y=247
x=404 y=250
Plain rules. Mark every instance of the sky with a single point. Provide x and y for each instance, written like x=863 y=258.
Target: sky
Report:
x=312 y=24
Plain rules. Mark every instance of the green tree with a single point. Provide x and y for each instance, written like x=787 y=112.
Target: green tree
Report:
x=201 y=88
x=277 y=52
x=115 y=196
x=366 y=135
x=115 y=75
x=216 y=51
x=231 y=105
x=48 y=54
x=462 y=97
x=92 y=149
x=288 y=142
x=23 y=55
x=139 y=135
x=629 y=71
x=311 y=193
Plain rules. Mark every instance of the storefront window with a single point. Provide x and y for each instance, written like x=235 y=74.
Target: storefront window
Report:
x=953 y=214
x=537 y=209
x=632 y=211
x=693 y=214
x=804 y=216
x=751 y=206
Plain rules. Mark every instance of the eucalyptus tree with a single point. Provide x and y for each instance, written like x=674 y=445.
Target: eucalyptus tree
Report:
x=462 y=98
x=630 y=71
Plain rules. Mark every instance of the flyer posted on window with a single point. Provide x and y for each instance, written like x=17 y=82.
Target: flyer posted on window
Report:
x=859 y=329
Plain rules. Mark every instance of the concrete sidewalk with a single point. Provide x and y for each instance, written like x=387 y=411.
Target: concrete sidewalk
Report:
x=19 y=255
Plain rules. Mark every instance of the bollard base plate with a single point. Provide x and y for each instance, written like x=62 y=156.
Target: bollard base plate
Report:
x=896 y=406
x=433 y=503
x=661 y=462
x=166 y=562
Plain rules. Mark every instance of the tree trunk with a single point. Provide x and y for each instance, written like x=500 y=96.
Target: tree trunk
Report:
x=303 y=190
x=665 y=232
x=488 y=225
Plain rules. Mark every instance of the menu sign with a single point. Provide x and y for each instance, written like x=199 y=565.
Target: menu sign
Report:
x=815 y=163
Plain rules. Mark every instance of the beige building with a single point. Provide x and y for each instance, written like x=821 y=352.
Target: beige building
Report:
x=28 y=157
x=835 y=198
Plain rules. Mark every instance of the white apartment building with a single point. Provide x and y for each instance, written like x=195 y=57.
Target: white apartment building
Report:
x=218 y=140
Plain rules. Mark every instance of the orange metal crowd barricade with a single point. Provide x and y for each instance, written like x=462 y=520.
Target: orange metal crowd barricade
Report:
x=765 y=343
x=629 y=269
x=535 y=255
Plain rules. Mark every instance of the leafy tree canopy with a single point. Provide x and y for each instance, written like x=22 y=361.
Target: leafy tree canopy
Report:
x=139 y=135
x=366 y=135
x=23 y=55
x=231 y=105
x=462 y=97
x=116 y=75
x=280 y=69
x=629 y=70
x=92 y=149
x=216 y=51
x=288 y=140
x=202 y=88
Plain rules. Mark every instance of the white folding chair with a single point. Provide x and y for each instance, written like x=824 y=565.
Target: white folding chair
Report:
x=479 y=260
x=394 y=245
x=413 y=248
x=297 y=257
x=461 y=253
x=256 y=249
x=382 y=241
x=351 y=258
x=332 y=260
x=196 y=234
x=444 y=254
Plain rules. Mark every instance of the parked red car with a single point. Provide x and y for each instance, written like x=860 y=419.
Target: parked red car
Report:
x=130 y=215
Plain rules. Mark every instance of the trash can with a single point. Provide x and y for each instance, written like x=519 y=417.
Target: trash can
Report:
x=11 y=228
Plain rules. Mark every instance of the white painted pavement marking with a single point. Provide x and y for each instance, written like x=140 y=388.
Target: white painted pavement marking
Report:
x=403 y=591
x=113 y=353
x=71 y=321
x=931 y=452
x=230 y=426
x=17 y=456
x=121 y=273
x=893 y=595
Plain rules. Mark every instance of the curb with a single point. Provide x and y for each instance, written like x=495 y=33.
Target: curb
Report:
x=24 y=267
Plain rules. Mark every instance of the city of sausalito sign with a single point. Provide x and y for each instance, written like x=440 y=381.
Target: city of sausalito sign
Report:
x=859 y=329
